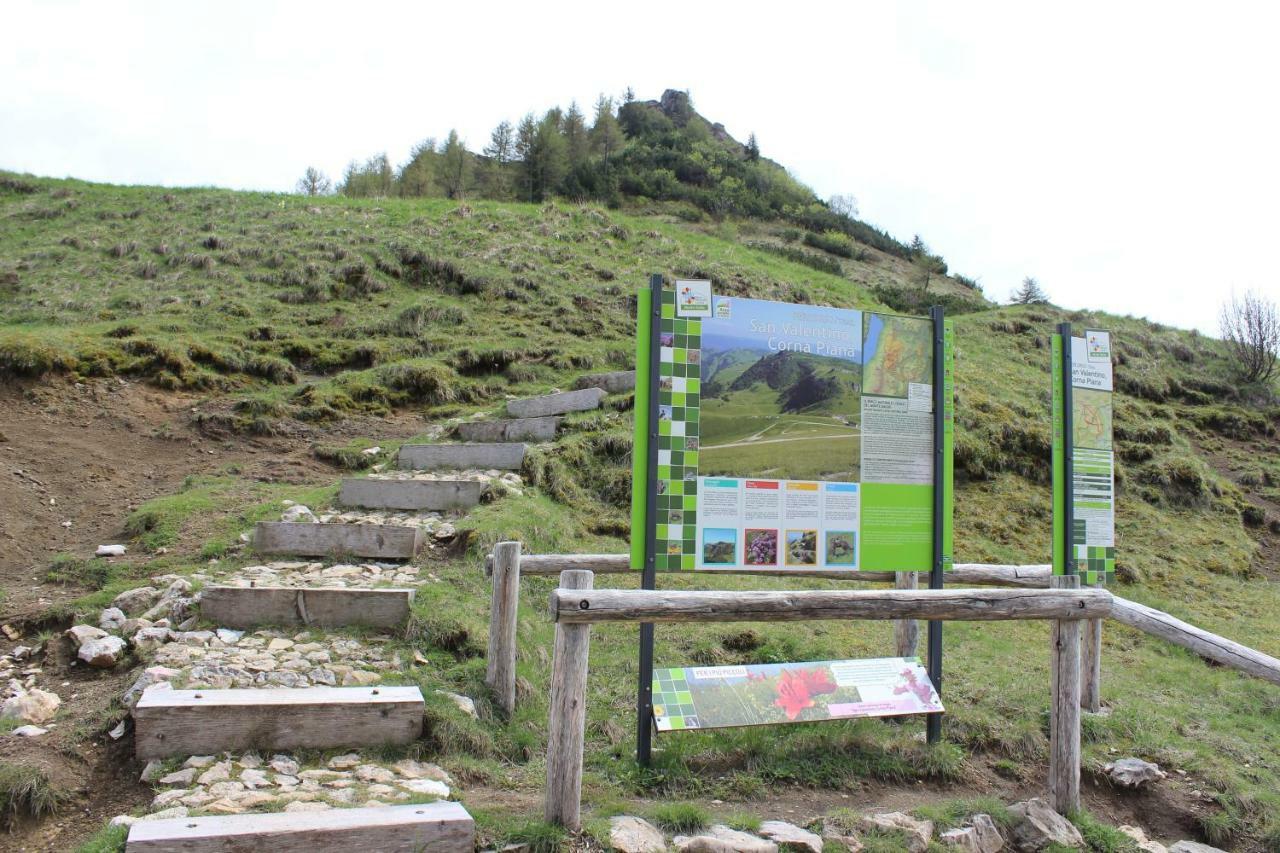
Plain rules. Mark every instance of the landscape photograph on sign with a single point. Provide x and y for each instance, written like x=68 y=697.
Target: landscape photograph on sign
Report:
x=780 y=389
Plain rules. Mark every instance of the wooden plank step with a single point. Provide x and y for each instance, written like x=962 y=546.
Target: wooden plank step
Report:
x=375 y=541
x=435 y=457
x=441 y=827
x=615 y=382
x=556 y=404
x=520 y=429
x=410 y=494
x=324 y=607
x=202 y=722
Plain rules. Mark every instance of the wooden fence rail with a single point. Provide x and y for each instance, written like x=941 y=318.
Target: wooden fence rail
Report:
x=981 y=605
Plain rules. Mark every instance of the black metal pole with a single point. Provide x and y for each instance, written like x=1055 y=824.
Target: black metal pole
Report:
x=649 y=576
x=933 y=722
x=1068 y=452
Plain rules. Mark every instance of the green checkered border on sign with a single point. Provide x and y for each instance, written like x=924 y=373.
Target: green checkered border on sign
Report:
x=1096 y=564
x=672 y=701
x=678 y=393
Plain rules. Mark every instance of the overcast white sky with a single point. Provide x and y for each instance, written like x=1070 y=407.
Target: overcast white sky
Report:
x=1125 y=154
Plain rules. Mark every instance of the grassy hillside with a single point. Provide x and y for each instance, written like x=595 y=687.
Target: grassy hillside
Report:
x=294 y=315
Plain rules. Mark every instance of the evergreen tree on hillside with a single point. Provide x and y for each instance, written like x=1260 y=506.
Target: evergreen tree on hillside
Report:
x=418 y=176
x=577 y=146
x=525 y=147
x=499 y=152
x=606 y=136
x=753 y=148
x=550 y=155
x=1029 y=293
x=372 y=179
x=455 y=166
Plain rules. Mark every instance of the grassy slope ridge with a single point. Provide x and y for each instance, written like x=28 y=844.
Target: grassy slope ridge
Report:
x=293 y=312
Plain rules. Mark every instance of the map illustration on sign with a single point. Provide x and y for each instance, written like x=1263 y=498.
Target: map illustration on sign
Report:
x=772 y=454
x=1091 y=418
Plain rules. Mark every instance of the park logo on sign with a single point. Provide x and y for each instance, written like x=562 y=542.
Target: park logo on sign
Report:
x=1099 y=345
x=693 y=298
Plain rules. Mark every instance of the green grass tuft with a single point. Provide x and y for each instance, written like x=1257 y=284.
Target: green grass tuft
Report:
x=26 y=792
x=682 y=818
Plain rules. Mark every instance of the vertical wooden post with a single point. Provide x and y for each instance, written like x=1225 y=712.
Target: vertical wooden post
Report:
x=500 y=673
x=906 y=632
x=566 y=728
x=1064 y=713
x=1091 y=666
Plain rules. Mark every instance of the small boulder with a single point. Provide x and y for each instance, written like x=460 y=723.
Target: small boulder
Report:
x=152 y=676
x=464 y=703
x=110 y=551
x=33 y=706
x=150 y=639
x=919 y=832
x=133 y=601
x=111 y=619
x=788 y=836
x=102 y=653
x=1193 y=847
x=81 y=634
x=1037 y=826
x=722 y=839
x=1133 y=772
x=987 y=833
x=29 y=731
x=629 y=834
x=298 y=512
x=1139 y=836
x=430 y=787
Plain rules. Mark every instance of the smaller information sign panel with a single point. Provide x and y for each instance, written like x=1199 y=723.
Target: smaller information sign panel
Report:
x=1087 y=443
x=697 y=697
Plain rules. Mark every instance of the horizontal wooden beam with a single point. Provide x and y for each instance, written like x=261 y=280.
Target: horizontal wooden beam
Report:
x=202 y=722
x=323 y=607
x=440 y=827
x=1207 y=645
x=436 y=495
x=961 y=574
x=377 y=541
x=438 y=457
x=608 y=605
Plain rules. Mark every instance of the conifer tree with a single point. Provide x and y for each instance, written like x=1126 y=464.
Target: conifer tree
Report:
x=1029 y=293
x=455 y=166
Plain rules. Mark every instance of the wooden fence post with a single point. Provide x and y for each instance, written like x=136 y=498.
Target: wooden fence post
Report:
x=906 y=632
x=1091 y=666
x=1064 y=712
x=500 y=673
x=566 y=729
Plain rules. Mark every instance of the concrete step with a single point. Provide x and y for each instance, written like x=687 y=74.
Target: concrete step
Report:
x=322 y=607
x=203 y=722
x=556 y=404
x=440 y=827
x=458 y=457
x=520 y=429
x=614 y=383
x=375 y=541
x=411 y=494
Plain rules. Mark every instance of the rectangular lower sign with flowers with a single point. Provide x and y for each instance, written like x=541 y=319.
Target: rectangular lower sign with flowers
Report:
x=698 y=697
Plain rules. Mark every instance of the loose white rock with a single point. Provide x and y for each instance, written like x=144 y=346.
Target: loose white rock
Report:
x=111 y=619
x=136 y=600
x=789 y=836
x=426 y=786
x=33 y=706
x=919 y=832
x=102 y=653
x=81 y=634
x=629 y=834
x=722 y=839
x=110 y=551
x=29 y=731
x=464 y=703
x=1037 y=826
x=1146 y=845
x=1133 y=772
x=1193 y=847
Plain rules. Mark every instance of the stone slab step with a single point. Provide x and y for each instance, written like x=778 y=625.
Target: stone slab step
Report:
x=444 y=457
x=520 y=429
x=614 y=383
x=556 y=404
x=203 y=722
x=375 y=541
x=410 y=494
x=441 y=827
x=323 y=607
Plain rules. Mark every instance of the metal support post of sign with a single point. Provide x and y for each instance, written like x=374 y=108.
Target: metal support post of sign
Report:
x=649 y=576
x=1068 y=451
x=933 y=722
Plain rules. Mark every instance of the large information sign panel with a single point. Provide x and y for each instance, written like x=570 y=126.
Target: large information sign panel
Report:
x=1084 y=435
x=791 y=436
x=707 y=697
